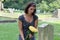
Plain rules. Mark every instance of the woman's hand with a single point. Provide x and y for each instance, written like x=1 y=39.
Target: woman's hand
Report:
x=30 y=35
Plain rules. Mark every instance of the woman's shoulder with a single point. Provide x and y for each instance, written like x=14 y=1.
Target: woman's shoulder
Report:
x=35 y=17
x=20 y=17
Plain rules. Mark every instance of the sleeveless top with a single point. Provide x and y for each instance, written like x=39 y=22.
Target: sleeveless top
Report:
x=26 y=24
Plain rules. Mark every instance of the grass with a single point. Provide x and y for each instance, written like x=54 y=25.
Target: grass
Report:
x=5 y=18
x=14 y=15
x=9 y=31
x=17 y=14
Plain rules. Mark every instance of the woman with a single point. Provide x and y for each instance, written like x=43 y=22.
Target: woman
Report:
x=26 y=20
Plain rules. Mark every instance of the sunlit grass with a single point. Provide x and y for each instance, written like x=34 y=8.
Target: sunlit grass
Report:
x=9 y=31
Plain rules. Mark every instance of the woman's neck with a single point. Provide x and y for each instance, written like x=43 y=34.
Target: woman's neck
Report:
x=28 y=15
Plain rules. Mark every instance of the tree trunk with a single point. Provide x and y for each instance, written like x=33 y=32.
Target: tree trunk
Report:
x=0 y=5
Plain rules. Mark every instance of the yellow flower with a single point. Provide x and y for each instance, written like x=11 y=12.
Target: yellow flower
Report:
x=33 y=29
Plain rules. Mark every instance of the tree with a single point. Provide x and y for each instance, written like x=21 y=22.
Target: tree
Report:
x=1 y=5
x=43 y=6
x=54 y=5
x=18 y=4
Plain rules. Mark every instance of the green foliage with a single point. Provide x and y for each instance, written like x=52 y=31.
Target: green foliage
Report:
x=44 y=5
x=48 y=5
x=54 y=5
x=18 y=4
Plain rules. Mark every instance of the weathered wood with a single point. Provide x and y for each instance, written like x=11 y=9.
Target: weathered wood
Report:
x=45 y=32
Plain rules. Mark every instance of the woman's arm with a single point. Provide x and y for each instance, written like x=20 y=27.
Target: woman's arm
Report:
x=20 y=29
x=36 y=23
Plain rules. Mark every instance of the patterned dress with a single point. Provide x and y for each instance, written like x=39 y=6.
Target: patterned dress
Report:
x=25 y=25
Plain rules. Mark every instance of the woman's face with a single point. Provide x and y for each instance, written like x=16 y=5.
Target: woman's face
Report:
x=31 y=10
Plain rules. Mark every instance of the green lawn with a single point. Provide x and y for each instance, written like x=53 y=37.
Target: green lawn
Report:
x=5 y=18
x=9 y=31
